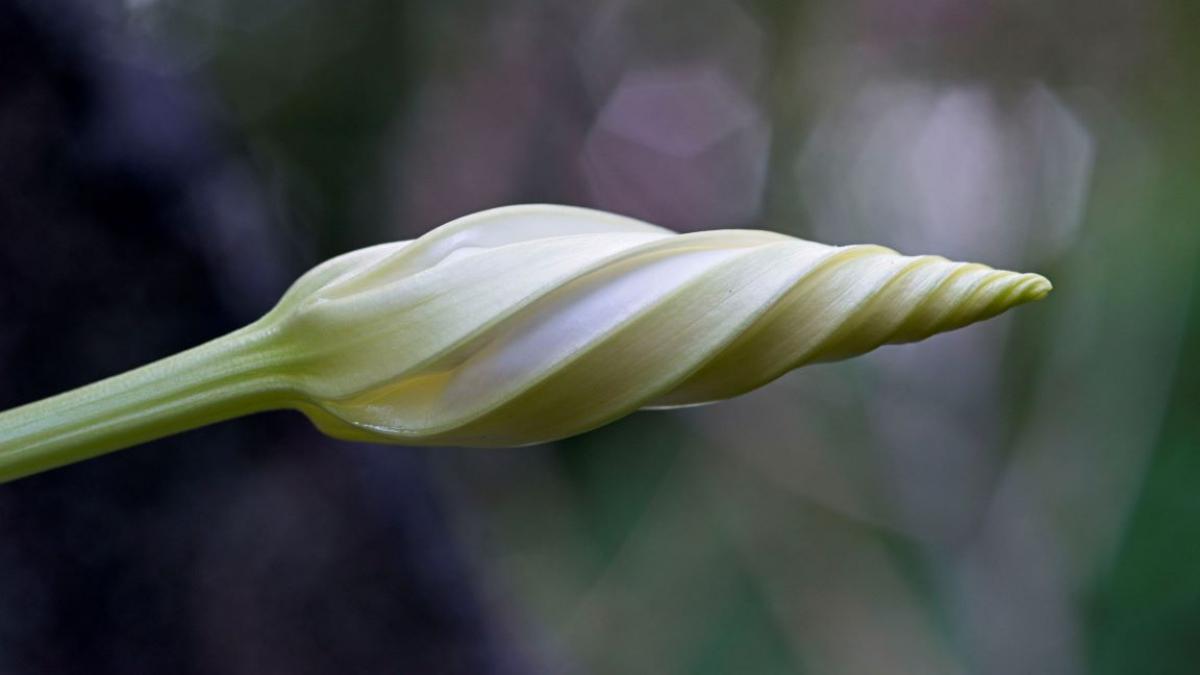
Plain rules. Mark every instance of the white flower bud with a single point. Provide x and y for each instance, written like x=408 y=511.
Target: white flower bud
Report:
x=530 y=323
x=520 y=325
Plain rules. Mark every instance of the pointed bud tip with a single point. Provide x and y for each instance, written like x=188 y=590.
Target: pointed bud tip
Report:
x=1035 y=287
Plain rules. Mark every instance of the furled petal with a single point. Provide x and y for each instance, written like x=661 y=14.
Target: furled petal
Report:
x=530 y=323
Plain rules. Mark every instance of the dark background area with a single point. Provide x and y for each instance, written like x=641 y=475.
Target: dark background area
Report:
x=1018 y=496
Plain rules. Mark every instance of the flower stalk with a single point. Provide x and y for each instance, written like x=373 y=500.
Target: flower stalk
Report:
x=225 y=378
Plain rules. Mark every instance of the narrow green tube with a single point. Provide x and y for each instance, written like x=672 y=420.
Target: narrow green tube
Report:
x=228 y=377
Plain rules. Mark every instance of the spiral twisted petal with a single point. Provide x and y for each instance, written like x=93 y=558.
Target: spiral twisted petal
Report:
x=527 y=324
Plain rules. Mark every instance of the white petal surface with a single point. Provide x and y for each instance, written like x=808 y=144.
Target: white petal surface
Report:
x=530 y=323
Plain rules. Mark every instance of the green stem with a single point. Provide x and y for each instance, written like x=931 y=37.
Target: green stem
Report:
x=225 y=378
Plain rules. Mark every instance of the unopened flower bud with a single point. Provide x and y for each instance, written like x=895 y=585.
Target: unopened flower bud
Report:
x=526 y=324
x=531 y=323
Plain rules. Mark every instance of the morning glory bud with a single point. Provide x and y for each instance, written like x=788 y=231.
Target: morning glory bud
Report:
x=526 y=324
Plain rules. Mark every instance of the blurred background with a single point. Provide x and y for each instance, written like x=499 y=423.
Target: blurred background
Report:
x=1021 y=496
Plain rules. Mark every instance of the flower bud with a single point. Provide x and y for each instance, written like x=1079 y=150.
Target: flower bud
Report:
x=531 y=323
